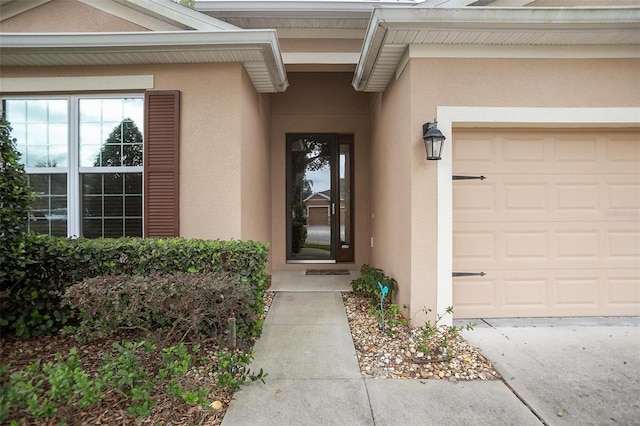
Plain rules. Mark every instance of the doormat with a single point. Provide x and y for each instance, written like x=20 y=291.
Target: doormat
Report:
x=328 y=272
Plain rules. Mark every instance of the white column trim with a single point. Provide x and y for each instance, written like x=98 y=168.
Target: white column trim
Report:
x=451 y=116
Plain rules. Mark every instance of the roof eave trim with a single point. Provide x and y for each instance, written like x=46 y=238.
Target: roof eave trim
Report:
x=172 y=12
x=490 y=19
x=373 y=41
x=109 y=43
x=309 y=8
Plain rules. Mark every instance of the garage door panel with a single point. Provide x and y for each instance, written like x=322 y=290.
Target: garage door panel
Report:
x=624 y=291
x=566 y=293
x=550 y=245
x=555 y=226
x=548 y=197
x=623 y=151
x=555 y=151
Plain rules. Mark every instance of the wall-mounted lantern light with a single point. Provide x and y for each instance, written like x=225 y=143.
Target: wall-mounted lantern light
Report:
x=433 y=140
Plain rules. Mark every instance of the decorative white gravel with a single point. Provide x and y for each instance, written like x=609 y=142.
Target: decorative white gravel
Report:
x=396 y=353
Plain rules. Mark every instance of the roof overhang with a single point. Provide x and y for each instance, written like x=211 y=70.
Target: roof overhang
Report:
x=392 y=30
x=257 y=50
x=326 y=14
x=166 y=11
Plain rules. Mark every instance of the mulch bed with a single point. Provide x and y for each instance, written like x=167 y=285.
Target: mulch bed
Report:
x=112 y=410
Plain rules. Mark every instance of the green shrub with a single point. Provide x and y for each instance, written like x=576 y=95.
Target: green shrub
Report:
x=15 y=201
x=367 y=283
x=31 y=304
x=172 y=306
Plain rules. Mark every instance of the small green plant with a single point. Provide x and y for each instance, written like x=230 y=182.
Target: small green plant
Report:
x=233 y=370
x=437 y=339
x=393 y=317
x=40 y=390
x=370 y=281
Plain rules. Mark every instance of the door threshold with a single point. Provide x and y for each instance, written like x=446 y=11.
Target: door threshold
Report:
x=311 y=261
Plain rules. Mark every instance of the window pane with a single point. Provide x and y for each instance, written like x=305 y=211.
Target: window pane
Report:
x=133 y=206
x=39 y=125
x=113 y=228
x=91 y=206
x=92 y=228
x=133 y=226
x=105 y=207
x=59 y=184
x=91 y=184
x=49 y=209
x=37 y=111
x=109 y=133
x=113 y=206
x=58 y=111
x=113 y=183
x=18 y=110
x=39 y=183
x=58 y=134
x=133 y=184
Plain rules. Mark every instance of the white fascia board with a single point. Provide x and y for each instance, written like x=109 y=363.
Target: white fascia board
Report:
x=110 y=43
x=285 y=7
x=138 y=17
x=448 y=3
x=490 y=19
x=516 y=18
x=373 y=41
x=140 y=39
x=522 y=52
x=172 y=12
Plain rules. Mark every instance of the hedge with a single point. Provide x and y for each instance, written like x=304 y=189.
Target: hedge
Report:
x=31 y=305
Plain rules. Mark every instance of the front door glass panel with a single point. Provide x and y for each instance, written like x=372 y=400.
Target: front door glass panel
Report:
x=310 y=203
x=320 y=198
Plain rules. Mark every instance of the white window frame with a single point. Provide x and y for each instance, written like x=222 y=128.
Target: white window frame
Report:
x=73 y=169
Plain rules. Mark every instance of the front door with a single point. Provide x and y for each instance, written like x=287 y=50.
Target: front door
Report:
x=319 y=198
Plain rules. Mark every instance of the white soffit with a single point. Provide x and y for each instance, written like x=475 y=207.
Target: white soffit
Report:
x=337 y=14
x=257 y=50
x=392 y=30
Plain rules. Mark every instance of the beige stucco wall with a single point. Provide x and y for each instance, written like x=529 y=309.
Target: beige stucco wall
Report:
x=66 y=16
x=404 y=183
x=211 y=139
x=391 y=185
x=323 y=103
x=256 y=163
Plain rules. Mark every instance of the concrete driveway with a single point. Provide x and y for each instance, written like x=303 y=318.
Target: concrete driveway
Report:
x=568 y=371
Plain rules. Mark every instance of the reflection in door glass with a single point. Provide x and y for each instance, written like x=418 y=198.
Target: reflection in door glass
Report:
x=310 y=199
x=345 y=196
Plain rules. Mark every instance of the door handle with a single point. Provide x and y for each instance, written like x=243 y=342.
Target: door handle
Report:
x=333 y=208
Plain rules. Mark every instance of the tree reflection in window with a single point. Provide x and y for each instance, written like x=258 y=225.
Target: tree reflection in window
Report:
x=112 y=202
x=123 y=147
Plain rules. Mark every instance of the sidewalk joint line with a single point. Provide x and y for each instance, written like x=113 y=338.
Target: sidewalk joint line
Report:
x=526 y=404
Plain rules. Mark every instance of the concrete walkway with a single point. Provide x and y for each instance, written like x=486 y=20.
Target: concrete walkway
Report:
x=314 y=378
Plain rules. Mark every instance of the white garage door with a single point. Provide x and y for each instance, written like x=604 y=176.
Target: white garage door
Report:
x=555 y=226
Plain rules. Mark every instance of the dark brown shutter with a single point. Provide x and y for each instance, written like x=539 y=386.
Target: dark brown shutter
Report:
x=161 y=164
